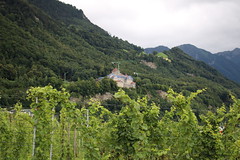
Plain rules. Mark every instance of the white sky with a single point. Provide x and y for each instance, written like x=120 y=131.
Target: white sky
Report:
x=213 y=25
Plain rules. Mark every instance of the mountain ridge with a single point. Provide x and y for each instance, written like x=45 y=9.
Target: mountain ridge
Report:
x=233 y=55
x=157 y=49
x=226 y=62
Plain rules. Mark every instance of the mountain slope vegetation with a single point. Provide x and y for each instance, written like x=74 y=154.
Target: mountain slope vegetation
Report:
x=37 y=49
x=49 y=42
x=226 y=62
x=229 y=67
x=233 y=55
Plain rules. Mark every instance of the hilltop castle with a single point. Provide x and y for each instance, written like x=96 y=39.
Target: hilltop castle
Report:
x=123 y=81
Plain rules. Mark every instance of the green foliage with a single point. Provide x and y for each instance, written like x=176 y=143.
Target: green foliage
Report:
x=138 y=131
x=44 y=100
x=161 y=54
x=16 y=134
x=130 y=132
x=232 y=131
x=88 y=88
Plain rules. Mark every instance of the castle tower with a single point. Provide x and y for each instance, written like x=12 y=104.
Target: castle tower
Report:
x=116 y=71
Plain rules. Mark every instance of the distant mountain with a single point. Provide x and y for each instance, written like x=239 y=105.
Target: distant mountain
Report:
x=233 y=55
x=157 y=49
x=228 y=63
x=197 y=53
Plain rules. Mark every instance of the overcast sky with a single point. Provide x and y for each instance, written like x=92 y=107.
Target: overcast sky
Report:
x=213 y=25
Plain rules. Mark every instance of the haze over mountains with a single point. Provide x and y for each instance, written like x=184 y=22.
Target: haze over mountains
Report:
x=49 y=42
x=228 y=62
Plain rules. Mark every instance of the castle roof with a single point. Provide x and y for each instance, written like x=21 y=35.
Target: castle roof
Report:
x=121 y=78
x=116 y=71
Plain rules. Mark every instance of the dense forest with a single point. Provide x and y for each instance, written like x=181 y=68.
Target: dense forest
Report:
x=49 y=42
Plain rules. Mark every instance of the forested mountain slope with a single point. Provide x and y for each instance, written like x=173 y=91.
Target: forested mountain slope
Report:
x=226 y=62
x=49 y=42
x=229 y=67
x=37 y=49
x=233 y=55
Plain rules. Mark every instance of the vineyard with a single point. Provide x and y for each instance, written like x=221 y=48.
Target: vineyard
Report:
x=138 y=131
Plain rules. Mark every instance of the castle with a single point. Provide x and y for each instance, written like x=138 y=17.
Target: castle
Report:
x=123 y=81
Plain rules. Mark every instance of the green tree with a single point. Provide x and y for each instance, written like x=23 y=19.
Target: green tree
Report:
x=130 y=131
x=44 y=100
